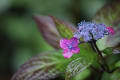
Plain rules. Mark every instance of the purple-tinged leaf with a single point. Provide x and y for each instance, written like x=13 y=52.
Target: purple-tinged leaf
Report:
x=48 y=30
x=40 y=67
x=53 y=29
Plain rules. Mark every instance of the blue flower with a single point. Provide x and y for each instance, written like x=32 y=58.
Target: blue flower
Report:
x=89 y=30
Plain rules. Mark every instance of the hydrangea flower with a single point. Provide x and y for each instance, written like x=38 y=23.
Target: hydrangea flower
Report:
x=89 y=30
x=70 y=47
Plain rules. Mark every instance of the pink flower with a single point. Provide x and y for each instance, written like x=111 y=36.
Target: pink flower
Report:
x=70 y=47
x=110 y=30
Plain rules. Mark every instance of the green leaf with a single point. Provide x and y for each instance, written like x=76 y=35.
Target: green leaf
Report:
x=76 y=66
x=111 y=76
x=112 y=60
x=87 y=52
x=117 y=64
x=65 y=29
x=109 y=15
x=40 y=67
x=83 y=75
x=108 y=51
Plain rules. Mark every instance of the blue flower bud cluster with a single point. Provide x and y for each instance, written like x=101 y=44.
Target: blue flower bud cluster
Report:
x=90 y=30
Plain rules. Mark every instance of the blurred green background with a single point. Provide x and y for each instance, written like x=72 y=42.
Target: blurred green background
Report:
x=19 y=36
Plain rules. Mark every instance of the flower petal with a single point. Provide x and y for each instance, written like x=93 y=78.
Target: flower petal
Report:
x=63 y=43
x=75 y=50
x=111 y=30
x=85 y=29
x=77 y=35
x=74 y=42
x=67 y=54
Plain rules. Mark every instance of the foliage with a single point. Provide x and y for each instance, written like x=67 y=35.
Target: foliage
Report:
x=51 y=64
x=40 y=67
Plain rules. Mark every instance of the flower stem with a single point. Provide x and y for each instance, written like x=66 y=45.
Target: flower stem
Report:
x=104 y=64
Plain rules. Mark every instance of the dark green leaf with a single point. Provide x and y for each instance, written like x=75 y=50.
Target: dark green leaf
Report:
x=112 y=60
x=82 y=75
x=108 y=51
x=111 y=76
x=117 y=64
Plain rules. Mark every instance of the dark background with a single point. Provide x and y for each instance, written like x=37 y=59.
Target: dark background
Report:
x=19 y=36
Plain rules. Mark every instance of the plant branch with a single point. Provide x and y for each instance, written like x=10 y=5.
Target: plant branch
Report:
x=104 y=64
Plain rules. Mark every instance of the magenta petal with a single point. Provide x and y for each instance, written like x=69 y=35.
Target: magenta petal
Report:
x=75 y=50
x=74 y=42
x=63 y=43
x=67 y=54
x=111 y=30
